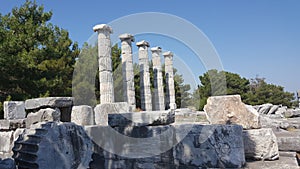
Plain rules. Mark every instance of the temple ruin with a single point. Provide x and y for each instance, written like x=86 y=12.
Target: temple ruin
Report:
x=52 y=132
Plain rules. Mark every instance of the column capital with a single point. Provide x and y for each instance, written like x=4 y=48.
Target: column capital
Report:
x=102 y=27
x=142 y=43
x=126 y=36
x=156 y=49
x=168 y=54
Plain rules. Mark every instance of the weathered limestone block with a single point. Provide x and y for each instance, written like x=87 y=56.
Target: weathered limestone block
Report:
x=14 y=110
x=64 y=104
x=102 y=111
x=288 y=141
x=151 y=118
x=231 y=110
x=6 y=138
x=260 y=144
x=200 y=146
x=82 y=115
x=53 y=145
x=47 y=114
x=211 y=146
x=146 y=142
x=48 y=102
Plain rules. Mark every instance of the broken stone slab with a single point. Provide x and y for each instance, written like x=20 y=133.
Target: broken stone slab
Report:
x=231 y=110
x=53 y=145
x=288 y=140
x=14 y=110
x=82 y=115
x=145 y=118
x=47 y=114
x=64 y=104
x=102 y=111
x=260 y=144
x=209 y=146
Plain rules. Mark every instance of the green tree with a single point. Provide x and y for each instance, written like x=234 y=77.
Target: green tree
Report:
x=86 y=75
x=36 y=57
x=261 y=92
x=215 y=83
x=253 y=92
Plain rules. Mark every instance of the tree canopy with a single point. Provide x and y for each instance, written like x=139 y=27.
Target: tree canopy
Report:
x=36 y=57
x=254 y=92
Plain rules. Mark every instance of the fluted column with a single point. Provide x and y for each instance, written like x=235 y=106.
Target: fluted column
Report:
x=127 y=69
x=170 y=95
x=159 y=96
x=146 y=98
x=105 y=63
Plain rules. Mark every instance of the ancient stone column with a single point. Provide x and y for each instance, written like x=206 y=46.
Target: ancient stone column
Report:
x=298 y=96
x=127 y=69
x=105 y=63
x=159 y=96
x=170 y=92
x=146 y=98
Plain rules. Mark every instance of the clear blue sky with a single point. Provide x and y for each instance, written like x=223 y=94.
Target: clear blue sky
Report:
x=257 y=37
